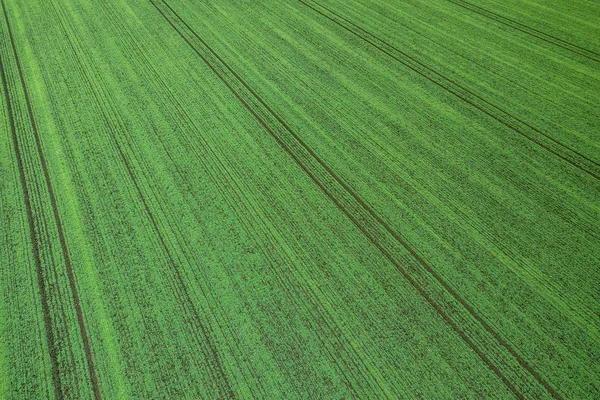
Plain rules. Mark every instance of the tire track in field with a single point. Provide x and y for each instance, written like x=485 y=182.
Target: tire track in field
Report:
x=211 y=66
x=558 y=297
x=135 y=48
x=215 y=180
x=78 y=67
x=529 y=132
x=423 y=277
x=50 y=341
x=573 y=48
x=67 y=259
x=324 y=318
x=184 y=300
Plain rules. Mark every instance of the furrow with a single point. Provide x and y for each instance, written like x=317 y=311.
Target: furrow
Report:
x=529 y=132
x=573 y=48
x=324 y=319
x=59 y=227
x=181 y=292
x=500 y=357
x=50 y=340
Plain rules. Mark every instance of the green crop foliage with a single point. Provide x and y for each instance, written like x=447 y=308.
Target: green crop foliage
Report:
x=299 y=199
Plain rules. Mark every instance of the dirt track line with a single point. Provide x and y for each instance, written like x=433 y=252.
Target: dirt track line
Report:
x=521 y=361
x=58 y=222
x=573 y=157
x=183 y=296
x=324 y=317
x=590 y=55
x=50 y=341
x=371 y=215
x=211 y=66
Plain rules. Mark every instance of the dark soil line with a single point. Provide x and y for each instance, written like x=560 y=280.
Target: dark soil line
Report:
x=479 y=103
x=50 y=341
x=239 y=97
x=59 y=226
x=590 y=55
x=500 y=340
x=371 y=213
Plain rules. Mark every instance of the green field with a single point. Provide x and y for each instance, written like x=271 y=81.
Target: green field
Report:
x=326 y=199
